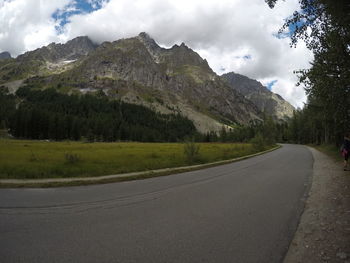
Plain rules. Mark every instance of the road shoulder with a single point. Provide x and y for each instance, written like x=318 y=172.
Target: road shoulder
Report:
x=323 y=234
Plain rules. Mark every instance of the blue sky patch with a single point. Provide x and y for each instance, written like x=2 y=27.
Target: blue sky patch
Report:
x=270 y=84
x=291 y=29
x=77 y=7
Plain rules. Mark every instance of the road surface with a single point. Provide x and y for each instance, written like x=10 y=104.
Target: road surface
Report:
x=241 y=212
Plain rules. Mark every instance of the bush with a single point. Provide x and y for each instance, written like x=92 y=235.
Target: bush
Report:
x=191 y=151
x=258 y=142
x=72 y=158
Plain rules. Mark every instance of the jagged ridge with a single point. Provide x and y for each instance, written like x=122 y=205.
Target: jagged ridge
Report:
x=266 y=101
x=137 y=70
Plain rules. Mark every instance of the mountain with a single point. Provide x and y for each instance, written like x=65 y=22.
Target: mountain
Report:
x=135 y=70
x=265 y=100
x=50 y=59
x=5 y=55
x=72 y=50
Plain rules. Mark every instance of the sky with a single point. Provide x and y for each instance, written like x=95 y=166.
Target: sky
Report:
x=233 y=35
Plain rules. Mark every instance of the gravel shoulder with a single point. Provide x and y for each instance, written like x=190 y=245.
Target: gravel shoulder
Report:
x=323 y=234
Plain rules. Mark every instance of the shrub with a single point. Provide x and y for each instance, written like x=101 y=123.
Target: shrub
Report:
x=72 y=158
x=191 y=151
x=258 y=142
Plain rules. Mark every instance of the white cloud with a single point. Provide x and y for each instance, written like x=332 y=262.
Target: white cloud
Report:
x=222 y=31
x=27 y=24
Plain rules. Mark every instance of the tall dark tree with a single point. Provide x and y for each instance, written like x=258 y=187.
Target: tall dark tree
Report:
x=324 y=25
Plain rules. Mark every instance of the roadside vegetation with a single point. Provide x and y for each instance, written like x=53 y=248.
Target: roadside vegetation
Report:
x=24 y=159
x=331 y=150
x=323 y=25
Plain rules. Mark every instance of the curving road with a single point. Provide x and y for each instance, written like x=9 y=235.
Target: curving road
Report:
x=241 y=212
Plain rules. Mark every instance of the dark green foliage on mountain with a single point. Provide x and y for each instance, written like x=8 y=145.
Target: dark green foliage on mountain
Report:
x=135 y=70
x=48 y=114
x=7 y=107
x=12 y=69
x=267 y=131
x=34 y=63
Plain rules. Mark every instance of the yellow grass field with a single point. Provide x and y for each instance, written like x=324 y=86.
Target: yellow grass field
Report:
x=40 y=159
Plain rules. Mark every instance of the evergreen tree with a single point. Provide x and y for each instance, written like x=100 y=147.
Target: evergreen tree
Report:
x=47 y=114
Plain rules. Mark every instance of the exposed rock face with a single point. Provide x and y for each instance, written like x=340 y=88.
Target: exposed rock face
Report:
x=46 y=60
x=266 y=101
x=72 y=50
x=5 y=55
x=177 y=75
x=137 y=70
x=151 y=45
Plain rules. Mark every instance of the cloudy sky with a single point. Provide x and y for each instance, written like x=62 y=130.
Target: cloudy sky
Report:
x=233 y=35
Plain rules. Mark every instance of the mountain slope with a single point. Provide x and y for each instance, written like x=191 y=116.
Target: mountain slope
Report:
x=266 y=101
x=177 y=75
x=136 y=70
x=45 y=60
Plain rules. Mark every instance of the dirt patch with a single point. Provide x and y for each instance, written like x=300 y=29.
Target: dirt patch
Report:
x=323 y=234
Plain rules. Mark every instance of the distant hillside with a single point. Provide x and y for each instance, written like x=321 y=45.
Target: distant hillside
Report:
x=265 y=100
x=135 y=70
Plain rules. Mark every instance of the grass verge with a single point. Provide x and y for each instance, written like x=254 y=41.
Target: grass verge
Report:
x=98 y=159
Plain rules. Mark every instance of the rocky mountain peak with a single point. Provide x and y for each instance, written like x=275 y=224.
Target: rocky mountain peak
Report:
x=183 y=55
x=175 y=57
x=82 y=42
x=148 y=41
x=266 y=101
x=151 y=45
x=54 y=52
x=5 y=55
x=77 y=47
x=183 y=45
x=145 y=36
x=138 y=70
x=244 y=84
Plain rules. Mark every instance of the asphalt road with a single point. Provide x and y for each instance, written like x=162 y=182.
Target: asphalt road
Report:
x=241 y=212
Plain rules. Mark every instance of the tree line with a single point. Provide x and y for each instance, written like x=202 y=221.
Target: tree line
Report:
x=266 y=130
x=47 y=114
x=324 y=25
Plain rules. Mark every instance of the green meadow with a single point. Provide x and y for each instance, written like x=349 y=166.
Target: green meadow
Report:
x=24 y=159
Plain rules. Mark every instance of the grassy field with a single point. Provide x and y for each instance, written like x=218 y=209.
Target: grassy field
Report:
x=40 y=159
